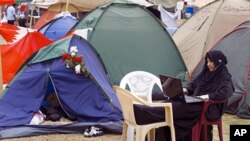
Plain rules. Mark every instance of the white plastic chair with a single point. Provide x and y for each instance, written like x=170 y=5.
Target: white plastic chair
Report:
x=127 y=100
x=140 y=83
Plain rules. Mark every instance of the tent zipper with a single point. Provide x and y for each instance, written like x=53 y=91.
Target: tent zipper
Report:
x=57 y=95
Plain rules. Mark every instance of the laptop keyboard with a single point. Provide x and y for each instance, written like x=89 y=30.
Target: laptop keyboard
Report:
x=192 y=99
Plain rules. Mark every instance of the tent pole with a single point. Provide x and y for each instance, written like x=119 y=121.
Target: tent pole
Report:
x=31 y=16
x=1 y=7
x=1 y=73
x=67 y=4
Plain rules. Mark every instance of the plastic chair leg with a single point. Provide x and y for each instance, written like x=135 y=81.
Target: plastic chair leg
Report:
x=204 y=134
x=151 y=135
x=124 y=132
x=196 y=132
x=130 y=133
x=220 y=132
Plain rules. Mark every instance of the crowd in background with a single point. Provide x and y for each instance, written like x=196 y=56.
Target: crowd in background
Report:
x=15 y=14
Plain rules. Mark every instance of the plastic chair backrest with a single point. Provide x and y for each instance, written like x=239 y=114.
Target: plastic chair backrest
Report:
x=141 y=83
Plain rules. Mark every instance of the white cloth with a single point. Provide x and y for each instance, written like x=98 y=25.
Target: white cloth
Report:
x=38 y=118
x=20 y=15
x=4 y=19
x=168 y=18
x=83 y=32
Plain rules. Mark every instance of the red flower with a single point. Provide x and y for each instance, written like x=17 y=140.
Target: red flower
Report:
x=77 y=59
x=66 y=56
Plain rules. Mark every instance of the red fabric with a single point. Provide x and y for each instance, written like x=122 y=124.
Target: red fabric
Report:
x=23 y=8
x=14 y=55
x=3 y=2
x=8 y=32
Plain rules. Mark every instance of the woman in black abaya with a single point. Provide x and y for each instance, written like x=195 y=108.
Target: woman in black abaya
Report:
x=214 y=82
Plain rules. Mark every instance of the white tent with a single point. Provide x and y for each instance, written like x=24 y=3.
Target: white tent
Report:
x=200 y=3
x=141 y=2
x=205 y=28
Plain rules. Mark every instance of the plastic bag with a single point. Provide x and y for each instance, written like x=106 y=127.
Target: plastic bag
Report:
x=38 y=118
x=4 y=19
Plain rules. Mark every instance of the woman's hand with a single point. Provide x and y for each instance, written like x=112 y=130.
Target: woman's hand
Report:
x=185 y=91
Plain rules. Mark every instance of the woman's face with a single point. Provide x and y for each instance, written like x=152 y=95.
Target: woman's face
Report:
x=210 y=65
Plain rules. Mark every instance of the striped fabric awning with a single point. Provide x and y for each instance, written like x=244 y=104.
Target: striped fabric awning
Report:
x=3 y=2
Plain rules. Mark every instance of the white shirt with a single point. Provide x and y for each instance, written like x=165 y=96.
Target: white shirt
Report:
x=10 y=13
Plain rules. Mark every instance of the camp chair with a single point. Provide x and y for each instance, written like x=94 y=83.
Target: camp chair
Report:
x=141 y=83
x=203 y=122
x=127 y=100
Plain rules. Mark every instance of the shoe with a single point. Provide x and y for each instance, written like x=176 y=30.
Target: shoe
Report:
x=86 y=132
x=93 y=132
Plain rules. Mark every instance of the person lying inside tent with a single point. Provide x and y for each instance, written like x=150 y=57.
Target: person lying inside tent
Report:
x=51 y=106
x=54 y=112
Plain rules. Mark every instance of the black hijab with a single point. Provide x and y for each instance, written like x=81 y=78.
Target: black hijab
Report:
x=208 y=81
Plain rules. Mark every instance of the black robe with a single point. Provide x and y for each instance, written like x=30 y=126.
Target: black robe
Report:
x=217 y=84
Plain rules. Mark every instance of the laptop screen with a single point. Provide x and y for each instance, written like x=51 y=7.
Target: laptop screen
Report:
x=171 y=86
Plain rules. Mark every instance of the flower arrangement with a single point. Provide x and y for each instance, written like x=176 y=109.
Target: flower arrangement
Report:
x=75 y=61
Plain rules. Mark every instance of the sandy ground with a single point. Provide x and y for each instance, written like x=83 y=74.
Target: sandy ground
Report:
x=227 y=121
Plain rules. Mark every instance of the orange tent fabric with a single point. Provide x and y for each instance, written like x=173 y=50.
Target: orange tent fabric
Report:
x=54 y=10
x=14 y=55
x=2 y=2
x=45 y=18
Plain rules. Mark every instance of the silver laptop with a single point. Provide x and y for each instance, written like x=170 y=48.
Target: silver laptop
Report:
x=173 y=87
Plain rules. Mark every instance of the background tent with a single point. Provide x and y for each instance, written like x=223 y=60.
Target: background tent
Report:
x=58 y=27
x=55 y=9
x=205 y=28
x=236 y=46
x=14 y=55
x=91 y=100
x=200 y=3
x=128 y=38
x=141 y=2
x=165 y=3
x=82 y=5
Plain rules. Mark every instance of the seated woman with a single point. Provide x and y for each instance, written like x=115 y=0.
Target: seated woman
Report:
x=214 y=82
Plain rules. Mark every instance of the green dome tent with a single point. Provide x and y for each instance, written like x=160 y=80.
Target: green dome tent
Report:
x=128 y=38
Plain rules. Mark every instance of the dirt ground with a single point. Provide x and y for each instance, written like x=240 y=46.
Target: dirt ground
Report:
x=227 y=121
